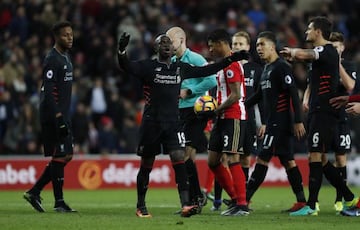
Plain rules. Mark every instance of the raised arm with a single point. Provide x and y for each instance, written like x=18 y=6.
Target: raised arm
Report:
x=189 y=71
x=292 y=54
x=205 y=83
x=123 y=60
x=129 y=67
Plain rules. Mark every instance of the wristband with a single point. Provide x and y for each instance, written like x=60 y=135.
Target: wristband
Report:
x=354 y=98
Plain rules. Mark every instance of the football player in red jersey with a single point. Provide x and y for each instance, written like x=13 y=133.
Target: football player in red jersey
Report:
x=225 y=135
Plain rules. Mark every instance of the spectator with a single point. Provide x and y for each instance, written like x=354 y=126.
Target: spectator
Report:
x=6 y=122
x=80 y=127
x=108 y=137
x=97 y=100
x=19 y=24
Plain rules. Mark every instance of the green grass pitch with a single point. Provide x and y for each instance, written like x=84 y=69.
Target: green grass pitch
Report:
x=115 y=209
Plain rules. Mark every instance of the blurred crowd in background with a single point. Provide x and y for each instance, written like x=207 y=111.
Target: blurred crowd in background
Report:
x=108 y=122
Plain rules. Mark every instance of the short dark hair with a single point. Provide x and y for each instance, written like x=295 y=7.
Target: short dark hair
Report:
x=219 y=35
x=337 y=37
x=58 y=26
x=322 y=23
x=268 y=35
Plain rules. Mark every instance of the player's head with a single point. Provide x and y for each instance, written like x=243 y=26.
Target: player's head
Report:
x=337 y=39
x=63 y=35
x=318 y=28
x=178 y=38
x=219 y=42
x=163 y=46
x=266 y=46
x=241 y=41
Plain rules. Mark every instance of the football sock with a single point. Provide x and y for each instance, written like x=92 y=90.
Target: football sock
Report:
x=246 y=173
x=217 y=203
x=217 y=190
x=209 y=183
x=142 y=183
x=255 y=180
x=295 y=180
x=315 y=180
x=239 y=182
x=333 y=176
x=225 y=180
x=44 y=179
x=57 y=179
x=196 y=182
x=182 y=182
x=194 y=190
x=343 y=174
x=189 y=169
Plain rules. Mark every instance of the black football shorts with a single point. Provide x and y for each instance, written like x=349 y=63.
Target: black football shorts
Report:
x=342 y=138
x=193 y=128
x=322 y=128
x=160 y=137
x=277 y=142
x=225 y=136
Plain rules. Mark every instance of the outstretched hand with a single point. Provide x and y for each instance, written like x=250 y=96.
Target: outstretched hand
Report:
x=239 y=55
x=123 y=41
x=286 y=53
x=339 y=102
x=353 y=108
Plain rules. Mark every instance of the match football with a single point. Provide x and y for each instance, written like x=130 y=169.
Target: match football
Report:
x=205 y=103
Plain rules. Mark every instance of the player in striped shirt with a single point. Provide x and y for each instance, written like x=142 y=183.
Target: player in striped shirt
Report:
x=225 y=135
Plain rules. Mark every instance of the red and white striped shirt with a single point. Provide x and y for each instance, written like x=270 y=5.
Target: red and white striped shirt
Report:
x=231 y=74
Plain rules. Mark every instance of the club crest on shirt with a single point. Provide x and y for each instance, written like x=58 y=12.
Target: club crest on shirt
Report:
x=229 y=73
x=49 y=74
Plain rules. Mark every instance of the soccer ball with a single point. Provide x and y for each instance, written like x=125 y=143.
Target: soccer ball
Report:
x=205 y=103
